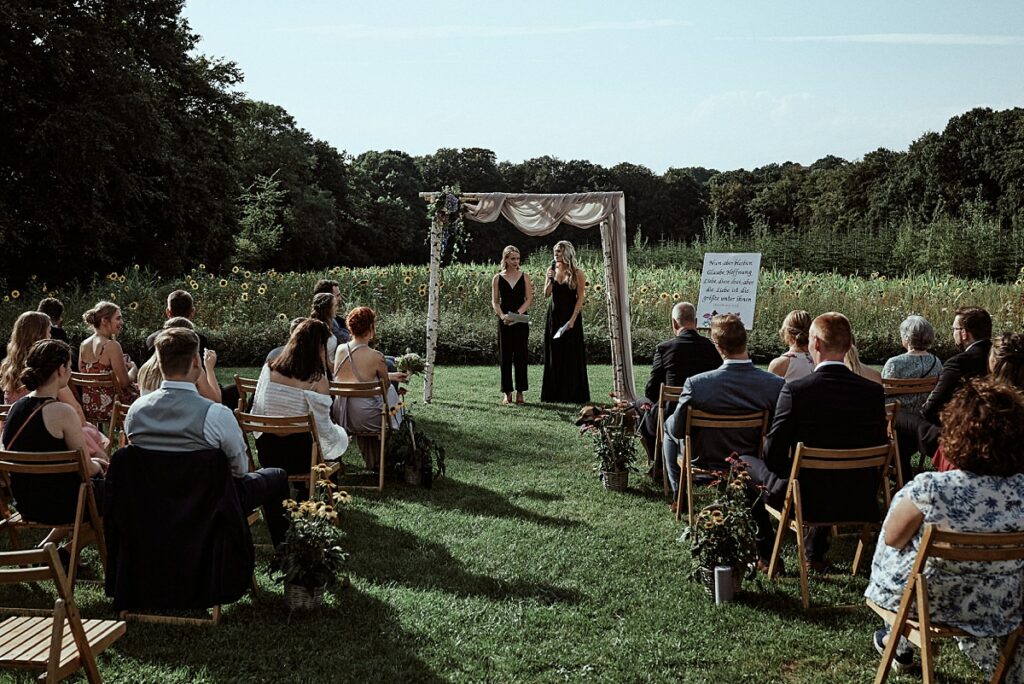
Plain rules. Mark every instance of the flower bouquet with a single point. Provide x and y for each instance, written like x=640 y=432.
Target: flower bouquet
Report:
x=311 y=555
x=613 y=432
x=410 y=362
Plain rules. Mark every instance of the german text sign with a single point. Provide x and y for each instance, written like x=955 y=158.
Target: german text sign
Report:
x=728 y=285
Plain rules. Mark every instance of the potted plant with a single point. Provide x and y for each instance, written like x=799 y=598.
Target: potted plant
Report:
x=311 y=557
x=417 y=456
x=613 y=433
x=724 y=532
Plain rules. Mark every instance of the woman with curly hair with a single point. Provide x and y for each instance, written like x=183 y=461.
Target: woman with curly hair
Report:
x=31 y=327
x=983 y=437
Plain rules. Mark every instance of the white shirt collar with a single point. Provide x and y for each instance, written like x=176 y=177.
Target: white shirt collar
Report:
x=179 y=385
x=829 y=363
x=731 y=362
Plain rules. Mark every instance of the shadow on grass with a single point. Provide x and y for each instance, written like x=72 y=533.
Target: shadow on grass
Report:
x=451 y=494
x=358 y=638
x=386 y=554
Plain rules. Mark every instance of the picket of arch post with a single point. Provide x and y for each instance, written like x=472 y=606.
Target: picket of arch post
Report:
x=433 y=308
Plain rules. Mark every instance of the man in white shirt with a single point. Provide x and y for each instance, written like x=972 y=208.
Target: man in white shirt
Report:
x=176 y=418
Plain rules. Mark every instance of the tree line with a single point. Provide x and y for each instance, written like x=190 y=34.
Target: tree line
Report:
x=124 y=145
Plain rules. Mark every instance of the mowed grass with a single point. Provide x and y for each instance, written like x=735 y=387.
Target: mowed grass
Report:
x=516 y=567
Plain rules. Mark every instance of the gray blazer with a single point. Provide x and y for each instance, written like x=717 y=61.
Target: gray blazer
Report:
x=732 y=388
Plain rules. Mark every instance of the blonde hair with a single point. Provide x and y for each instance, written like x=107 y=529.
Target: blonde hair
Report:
x=504 y=255
x=852 y=359
x=569 y=257
x=30 y=327
x=796 y=327
x=99 y=313
x=150 y=375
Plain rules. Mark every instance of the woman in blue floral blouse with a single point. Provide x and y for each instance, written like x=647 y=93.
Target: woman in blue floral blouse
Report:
x=983 y=436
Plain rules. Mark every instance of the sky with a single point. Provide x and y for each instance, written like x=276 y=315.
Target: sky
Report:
x=665 y=84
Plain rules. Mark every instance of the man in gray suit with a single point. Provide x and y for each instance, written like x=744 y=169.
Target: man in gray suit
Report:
x=738 y=386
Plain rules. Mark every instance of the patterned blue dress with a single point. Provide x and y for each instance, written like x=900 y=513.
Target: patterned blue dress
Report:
x=983 y=599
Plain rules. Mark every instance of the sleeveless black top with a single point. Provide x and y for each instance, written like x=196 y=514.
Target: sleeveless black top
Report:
x=510 y=297
x=48 y=499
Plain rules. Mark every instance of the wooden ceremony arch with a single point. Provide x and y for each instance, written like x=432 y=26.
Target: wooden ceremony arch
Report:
x=537 y=215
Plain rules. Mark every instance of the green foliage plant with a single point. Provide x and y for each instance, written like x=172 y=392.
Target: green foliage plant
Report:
x=613 y=434
x=311 y=554
x=724 y=532
x=409 y=447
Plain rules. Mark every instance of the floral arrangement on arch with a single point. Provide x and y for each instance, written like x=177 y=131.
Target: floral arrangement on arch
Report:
x=446 y=210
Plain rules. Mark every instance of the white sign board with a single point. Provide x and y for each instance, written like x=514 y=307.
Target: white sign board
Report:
x=728 y=285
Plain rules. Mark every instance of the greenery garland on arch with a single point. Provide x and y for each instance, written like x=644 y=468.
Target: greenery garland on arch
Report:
x=446 y=210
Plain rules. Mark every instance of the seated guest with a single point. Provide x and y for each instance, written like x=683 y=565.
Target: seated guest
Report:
x=276 y=351
x=738 y=386
x=1006 y=365
x=972 y=328
x=150 y=375
x=54 y=308
x=983 y=436
x=338 y=327
x=916 y=336
x=175 y=418
x=357 y=362
x=179 y=305
x=686 y=354
x=295 y=384
x=797 y=361
x=852 y=361
x=830 y=408
x=39 y=422
x=100 y=353
x=31 y=327
x=325 y=306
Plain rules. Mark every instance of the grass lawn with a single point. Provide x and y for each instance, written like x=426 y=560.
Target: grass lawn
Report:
x=516 y=567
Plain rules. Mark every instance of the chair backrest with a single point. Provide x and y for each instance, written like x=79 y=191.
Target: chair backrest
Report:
x=94 y=380
x=668 y=395
x=695 y=418
x=246 y=387
x=896 y=386
x=176 y=533
x=44 y=463
x=373 y=388
x=971 y=546
x=280 y=426
x=118 y=438
x=4 y=410
x=810 y=458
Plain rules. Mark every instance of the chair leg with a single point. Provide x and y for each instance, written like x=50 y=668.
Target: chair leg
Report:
x=999 y=676
x=773 y=563
x=679 y=498
x=924 y=627
x=805 y=591
x=861 y=545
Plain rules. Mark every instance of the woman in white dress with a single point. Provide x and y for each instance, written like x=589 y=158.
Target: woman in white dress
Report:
x=795 y=334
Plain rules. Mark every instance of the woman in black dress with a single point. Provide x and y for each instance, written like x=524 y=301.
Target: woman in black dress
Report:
x=512 y=292
x=565 y=358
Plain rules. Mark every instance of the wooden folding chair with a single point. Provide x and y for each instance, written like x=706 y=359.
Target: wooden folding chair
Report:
x=892 y=410
x=289 y=425
x=950 y=546
x=4 y=410
x=80 y=382
x=792 y=516
x=5 y=490
x=668 y=395
x=82 y=531
x=900 y=387
x=59 y=645
x=696 y=418
x=246 y=390
x=377 y=388
x=115 y=431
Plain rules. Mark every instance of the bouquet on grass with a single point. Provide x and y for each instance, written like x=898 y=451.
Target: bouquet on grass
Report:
x=311 y=555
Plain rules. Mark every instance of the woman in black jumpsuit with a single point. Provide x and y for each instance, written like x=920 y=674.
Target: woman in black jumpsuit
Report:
x=512 y=293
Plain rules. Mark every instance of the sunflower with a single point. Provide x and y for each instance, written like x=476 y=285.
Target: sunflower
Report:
x=262 y=289
x=363 y=282
x=664 y=296
x=34 y=277
x=6 y=298
x=245 y=296
x=134 y=306
x=282 y=317
x=644 y=289
x=598 y=288
x=247 y=274
x=407 y=280
x=15 y=294
x=121 y=279
x=235 y=269
x=223 y=283
x=193 y=284
x=202 y=267
x=245 y=286
x=135 y=267
x=676 y=296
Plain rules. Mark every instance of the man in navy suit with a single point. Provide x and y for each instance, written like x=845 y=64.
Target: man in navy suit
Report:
x=972 y=330
x=833 y=407
x=686 y=354
x=737 y=386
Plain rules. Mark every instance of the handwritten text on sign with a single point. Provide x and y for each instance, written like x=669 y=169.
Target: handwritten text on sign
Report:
x=728 y=284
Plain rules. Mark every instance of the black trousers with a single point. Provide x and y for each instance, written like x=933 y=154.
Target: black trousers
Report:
x=816 y=539
x=512 y=353
x=267 y=487
x=907 y=426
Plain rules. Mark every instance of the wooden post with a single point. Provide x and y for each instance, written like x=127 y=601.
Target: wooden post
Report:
x=433 y=309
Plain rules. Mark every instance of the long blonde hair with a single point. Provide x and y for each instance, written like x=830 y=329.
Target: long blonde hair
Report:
x=30 y=327
x=504 y=255
x=569 y=257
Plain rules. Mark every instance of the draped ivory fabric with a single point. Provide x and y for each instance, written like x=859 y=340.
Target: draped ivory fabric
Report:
x=537 y=215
